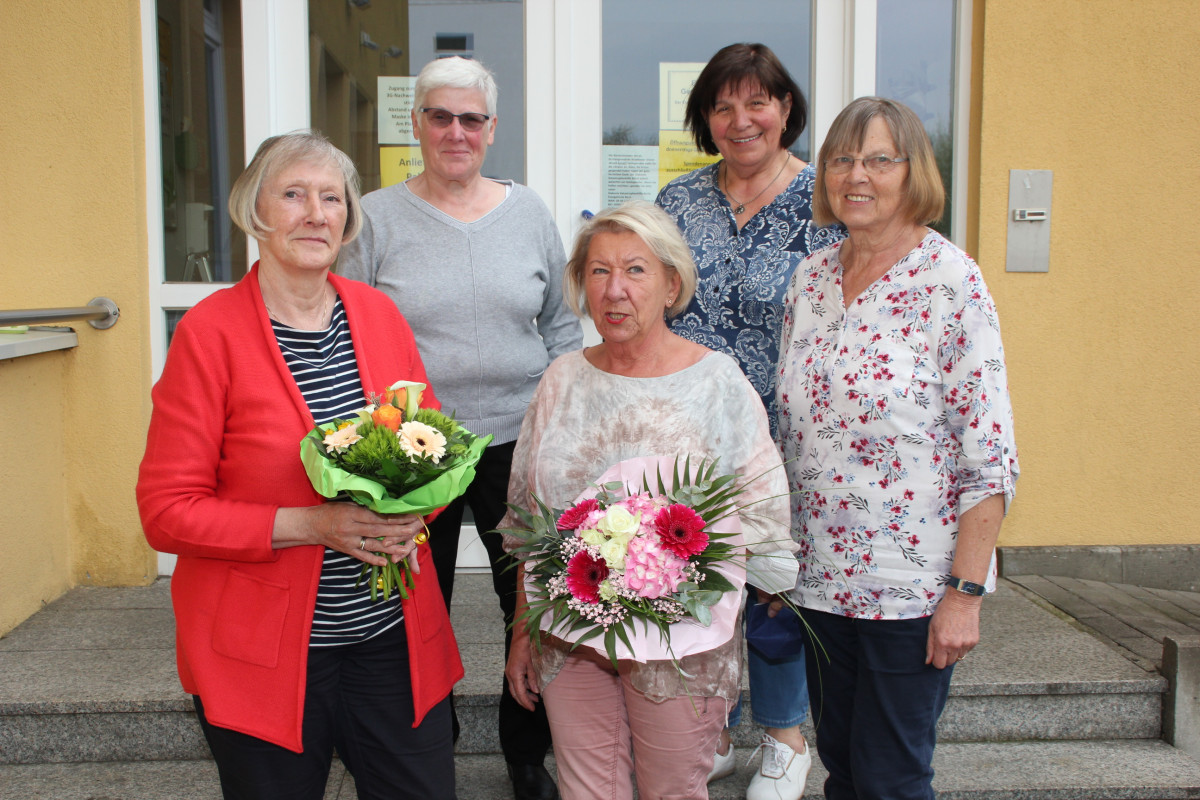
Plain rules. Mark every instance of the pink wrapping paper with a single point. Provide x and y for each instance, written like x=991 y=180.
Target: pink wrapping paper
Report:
x=686 y=637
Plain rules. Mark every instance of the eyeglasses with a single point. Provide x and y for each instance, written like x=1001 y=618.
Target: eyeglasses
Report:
x=876 y=165
x=441 y=118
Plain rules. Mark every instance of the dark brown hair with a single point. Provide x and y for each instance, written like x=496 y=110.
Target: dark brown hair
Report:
x=739 y=65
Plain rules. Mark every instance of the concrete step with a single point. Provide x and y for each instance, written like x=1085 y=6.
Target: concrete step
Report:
x=92 y=678
x=1034 y=676
x=1095 y=770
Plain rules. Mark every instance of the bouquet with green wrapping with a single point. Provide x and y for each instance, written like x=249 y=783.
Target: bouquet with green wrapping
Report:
x=394 y=458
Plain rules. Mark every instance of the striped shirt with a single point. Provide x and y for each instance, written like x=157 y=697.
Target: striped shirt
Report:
x=323 y=366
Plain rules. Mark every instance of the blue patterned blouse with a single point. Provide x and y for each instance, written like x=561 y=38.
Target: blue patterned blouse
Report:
x=744 y=275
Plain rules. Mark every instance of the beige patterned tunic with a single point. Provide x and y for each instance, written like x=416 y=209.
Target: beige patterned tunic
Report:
x=582 y=420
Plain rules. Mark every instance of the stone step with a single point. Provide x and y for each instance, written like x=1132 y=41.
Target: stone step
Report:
x=1095 y=770
x=92 y=678
x=1034 y=676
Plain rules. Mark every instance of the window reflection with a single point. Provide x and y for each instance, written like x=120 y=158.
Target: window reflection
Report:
x=200 y=109
x=641 y=36
x=352 y=45
x=914 y=63
x=173 y=316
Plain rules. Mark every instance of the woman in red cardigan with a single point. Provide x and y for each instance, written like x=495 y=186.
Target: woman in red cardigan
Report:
x=285 y=657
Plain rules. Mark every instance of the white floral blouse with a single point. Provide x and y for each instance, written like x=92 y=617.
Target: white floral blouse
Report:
x=895 y=419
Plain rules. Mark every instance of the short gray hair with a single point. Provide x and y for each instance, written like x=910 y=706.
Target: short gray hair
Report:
x=457 y=72
x=274 y=154
x=655 y=228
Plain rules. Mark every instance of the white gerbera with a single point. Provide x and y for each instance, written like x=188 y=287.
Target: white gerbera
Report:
x=342 y=438
x=419 y=439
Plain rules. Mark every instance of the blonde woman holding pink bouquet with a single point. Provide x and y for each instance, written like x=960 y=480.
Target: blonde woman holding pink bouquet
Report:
x=644 y=393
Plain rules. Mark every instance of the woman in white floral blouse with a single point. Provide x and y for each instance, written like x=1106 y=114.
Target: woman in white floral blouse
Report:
x=894 y=411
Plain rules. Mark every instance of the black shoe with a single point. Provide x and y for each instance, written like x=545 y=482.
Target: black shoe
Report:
x=531 y=782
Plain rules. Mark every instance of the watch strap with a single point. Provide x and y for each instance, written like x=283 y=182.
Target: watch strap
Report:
x=967 y=587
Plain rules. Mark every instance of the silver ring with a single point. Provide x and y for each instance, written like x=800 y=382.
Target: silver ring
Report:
x=362 y=545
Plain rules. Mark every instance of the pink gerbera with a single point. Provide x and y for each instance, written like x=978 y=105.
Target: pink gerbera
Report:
x=585 y=573
x=574 y=516
x=681 y=530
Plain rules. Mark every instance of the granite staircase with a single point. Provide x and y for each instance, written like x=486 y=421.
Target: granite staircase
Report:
x=1043 y=709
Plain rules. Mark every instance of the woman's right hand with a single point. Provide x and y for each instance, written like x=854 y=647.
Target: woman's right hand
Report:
x=351 y=529
x=522 y=680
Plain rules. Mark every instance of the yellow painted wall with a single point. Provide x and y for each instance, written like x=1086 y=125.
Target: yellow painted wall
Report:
x=1103 y=351
x=72 y=211
x=34 y=540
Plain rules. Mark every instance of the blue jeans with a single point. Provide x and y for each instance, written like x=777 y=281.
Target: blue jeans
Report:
x=778 y=690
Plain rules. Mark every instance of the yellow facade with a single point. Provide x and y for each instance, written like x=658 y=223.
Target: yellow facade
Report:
x=1102 y=350
x=73 y=205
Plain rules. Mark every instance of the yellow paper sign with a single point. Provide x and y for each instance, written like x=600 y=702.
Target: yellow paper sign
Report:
x=398 y=164
x=677 y=155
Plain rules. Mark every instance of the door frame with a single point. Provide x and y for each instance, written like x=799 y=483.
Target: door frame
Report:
x=564 y=127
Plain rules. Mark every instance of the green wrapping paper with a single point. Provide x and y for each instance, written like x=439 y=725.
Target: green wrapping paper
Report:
x=330 y=480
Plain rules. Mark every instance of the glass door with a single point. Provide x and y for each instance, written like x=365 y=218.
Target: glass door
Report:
x=200 y=144
x=201 y=141
x=364 y=58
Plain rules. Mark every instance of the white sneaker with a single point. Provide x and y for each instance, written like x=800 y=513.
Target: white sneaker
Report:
x=723 y=765
x=782 y=774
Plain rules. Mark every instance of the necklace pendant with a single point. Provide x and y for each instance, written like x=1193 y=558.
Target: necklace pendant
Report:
x=739 y=210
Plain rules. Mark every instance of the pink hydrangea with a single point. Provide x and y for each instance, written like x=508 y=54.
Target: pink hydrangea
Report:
x=646 y=504
x=650 y=569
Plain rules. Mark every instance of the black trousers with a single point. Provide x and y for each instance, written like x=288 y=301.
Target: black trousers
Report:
x=875 y=705
x=359 y=700
x=524 y=735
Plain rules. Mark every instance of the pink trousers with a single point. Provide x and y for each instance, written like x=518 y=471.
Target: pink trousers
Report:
x=604 y=731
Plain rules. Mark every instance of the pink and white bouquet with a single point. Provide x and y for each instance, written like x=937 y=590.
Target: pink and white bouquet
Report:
x=654 y=567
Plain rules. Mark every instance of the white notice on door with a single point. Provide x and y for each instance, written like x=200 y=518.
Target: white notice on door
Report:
x=395 y=109
x=630 y=173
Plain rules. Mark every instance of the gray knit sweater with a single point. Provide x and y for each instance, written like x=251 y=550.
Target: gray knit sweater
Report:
x=484 y=298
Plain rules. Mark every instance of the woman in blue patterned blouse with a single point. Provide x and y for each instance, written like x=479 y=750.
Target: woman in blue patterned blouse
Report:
x=748 y=221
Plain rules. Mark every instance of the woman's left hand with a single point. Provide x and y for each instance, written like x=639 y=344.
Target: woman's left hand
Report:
x=953 y=629
x=354 y=530
x=775 y=600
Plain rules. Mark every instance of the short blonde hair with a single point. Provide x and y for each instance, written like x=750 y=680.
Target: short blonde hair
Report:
x=278 y=152
x=655 y=228
x=925 y=197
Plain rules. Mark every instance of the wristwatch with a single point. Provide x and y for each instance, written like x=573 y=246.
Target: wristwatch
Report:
x=966 y=587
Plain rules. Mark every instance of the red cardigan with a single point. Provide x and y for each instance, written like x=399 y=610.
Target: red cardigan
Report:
x=222 y=454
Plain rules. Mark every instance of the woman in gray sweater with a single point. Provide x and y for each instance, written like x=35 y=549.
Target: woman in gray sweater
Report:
x=475 y=265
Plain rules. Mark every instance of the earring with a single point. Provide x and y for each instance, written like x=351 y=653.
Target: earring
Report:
x=784 y=128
